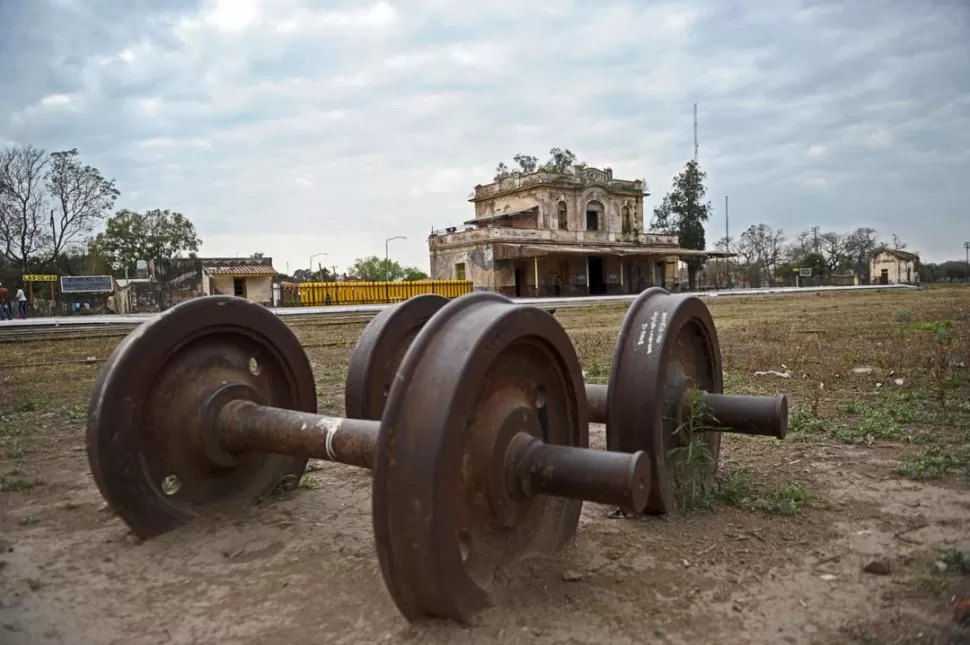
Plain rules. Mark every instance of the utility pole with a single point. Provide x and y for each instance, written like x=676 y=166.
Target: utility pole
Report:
x=815 y=233
x=727 y=245
x=695 y=132
x=966 y=247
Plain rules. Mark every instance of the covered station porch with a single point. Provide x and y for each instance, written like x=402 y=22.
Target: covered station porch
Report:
x=525 y=271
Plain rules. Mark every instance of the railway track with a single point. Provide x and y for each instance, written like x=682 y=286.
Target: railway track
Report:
x=24 y=333
x=81 y=331
x=104 y=327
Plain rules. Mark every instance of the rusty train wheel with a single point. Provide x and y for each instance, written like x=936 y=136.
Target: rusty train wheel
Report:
x=443 y=521
x=379 y=352
x=667 y=345
x=159 y=377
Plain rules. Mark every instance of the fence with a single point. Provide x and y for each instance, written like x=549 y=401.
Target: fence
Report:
x=310 y=294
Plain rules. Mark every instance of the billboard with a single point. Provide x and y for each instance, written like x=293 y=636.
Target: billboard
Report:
x=87 y=284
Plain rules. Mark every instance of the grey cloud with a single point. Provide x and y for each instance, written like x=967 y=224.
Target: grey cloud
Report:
x=450 y=89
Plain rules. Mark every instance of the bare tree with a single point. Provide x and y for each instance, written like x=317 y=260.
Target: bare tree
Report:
x=82 y=196
x=898 y=244
x=22 y=203
x=764 y=246
x=748 y=257
x=802 y=245
x=833 y=249
x=725 y=244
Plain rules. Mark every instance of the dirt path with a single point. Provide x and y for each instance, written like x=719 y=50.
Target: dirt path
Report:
x=774 y=567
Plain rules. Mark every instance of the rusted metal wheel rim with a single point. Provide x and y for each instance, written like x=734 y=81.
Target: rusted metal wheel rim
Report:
x=666 y=344
x=144 y=447
x=379 y=352
x=437 y=540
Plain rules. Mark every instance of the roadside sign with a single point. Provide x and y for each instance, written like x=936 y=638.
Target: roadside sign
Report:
x=87 y=284
x=44 y=277
x=805 y=273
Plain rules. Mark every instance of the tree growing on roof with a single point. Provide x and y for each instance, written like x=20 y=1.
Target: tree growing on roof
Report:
x=130 y=236
x=684 y=212
x=561 y=160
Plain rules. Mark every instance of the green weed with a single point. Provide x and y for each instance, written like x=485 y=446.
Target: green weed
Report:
x=934 y=462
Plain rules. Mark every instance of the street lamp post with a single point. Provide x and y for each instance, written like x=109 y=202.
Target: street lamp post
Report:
x=315 y=255
x=387 y=266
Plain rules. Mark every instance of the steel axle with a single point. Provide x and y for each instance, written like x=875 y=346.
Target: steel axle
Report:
x=762 y=416
x=532 y=467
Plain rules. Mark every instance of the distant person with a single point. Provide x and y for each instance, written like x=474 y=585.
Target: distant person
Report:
x=5 y=313
x=21 y=299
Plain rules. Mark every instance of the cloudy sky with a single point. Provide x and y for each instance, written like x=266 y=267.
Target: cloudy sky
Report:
x=295 y=127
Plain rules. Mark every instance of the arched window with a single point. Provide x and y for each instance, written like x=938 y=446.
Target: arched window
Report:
x=627 y=224
x=563 y=218
x=594 y=216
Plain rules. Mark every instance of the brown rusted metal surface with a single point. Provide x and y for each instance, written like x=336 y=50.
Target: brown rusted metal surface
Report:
x=148 y=431
x=615 y=478
x=667 y=345
x=379 y=352
x=443 y=519
x=597 y=398
x=763 y=416
x=246 y=426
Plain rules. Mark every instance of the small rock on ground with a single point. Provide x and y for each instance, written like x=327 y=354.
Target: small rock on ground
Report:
x=879 y=567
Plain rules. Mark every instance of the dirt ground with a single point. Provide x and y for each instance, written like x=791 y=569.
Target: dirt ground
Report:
x=874 y=474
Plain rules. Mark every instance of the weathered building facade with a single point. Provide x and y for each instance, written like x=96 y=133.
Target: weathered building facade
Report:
x=891 y=266
x=546 y=233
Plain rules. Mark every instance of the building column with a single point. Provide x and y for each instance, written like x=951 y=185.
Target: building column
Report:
x=587 y=276
x=535 y=265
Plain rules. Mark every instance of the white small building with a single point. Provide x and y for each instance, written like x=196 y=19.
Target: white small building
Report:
x=894 y=266
x=241 y=278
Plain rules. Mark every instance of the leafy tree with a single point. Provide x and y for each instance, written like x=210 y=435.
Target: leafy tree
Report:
x=684 y=210
x=952 y=271
x=372 y=269
x=23 y=234
x=859 y=246
x=664 y=219
x=130 y=236
x=322 y=274
x=82 y=198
